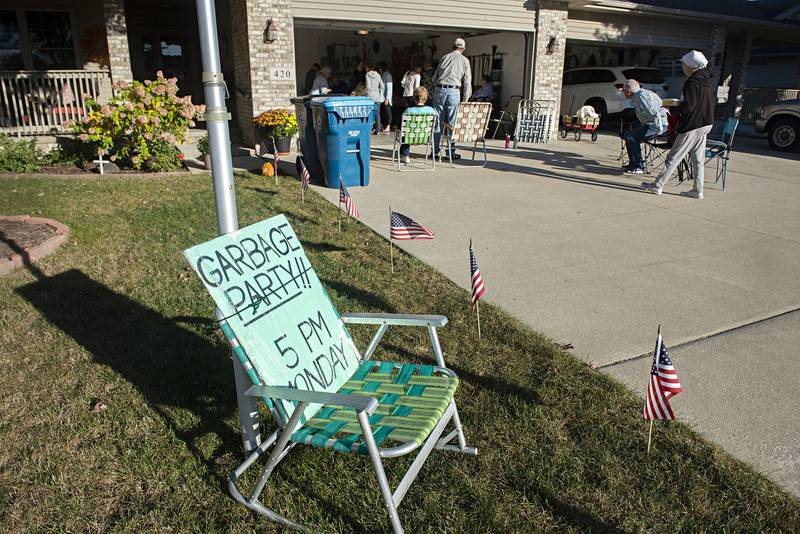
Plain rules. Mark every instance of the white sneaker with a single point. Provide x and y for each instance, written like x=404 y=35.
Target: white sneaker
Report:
x=647 y=186
x=692 y=194
x=634 y=170
x=406 y=160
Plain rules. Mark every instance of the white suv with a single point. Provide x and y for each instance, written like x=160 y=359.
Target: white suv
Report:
x=600 y=87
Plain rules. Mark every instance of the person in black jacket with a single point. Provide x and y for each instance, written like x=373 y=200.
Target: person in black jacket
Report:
x=696 y=116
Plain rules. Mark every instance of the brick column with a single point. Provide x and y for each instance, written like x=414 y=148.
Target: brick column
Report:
x=259 y=86
x=716 y=53
x=119 y=54
x=740 y=58
x=548 y=67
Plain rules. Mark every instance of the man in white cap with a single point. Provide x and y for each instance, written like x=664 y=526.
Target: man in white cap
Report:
x=696 y=116
x=453 y=81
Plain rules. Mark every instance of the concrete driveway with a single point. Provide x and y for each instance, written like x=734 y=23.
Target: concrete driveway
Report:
x=574 y=248
x=578 y=251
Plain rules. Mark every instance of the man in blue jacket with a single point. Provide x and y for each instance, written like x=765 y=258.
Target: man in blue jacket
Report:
x=652 y=122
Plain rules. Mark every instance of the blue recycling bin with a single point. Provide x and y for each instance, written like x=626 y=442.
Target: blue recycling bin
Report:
x=307 y=137
x=343 y=126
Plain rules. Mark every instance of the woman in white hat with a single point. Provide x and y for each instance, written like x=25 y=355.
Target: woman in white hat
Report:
x=696 y=116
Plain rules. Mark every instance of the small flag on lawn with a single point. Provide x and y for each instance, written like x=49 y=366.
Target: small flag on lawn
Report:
x=262 y=148
x=302 y=171
x=475 y=275
x=347 y=200
x=276 y=156
x=663 y=384
x=403 y=228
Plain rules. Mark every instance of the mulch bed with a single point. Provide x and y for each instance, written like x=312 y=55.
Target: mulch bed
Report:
x=22 y=235
x=25 y=239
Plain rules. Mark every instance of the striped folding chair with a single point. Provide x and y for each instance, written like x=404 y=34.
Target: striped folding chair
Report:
x=472 y=119
x=305 y=367
x=417 y=127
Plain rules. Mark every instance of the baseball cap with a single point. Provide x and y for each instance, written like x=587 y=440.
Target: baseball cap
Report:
x=459 y=43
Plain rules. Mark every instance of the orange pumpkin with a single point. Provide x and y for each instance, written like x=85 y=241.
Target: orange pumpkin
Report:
x=267 y=169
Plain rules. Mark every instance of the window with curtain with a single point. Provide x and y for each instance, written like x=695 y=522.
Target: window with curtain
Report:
x=50 y=34
x=10 y=46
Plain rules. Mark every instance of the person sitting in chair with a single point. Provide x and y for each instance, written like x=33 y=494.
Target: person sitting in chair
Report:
x=420 y=100
x=652 y=122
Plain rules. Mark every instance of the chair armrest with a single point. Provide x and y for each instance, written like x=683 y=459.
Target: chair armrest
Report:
x=436 y=321
x=359 y=403
x=715 y=143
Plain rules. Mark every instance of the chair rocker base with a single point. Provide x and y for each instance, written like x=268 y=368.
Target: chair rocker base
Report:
x=280 y=445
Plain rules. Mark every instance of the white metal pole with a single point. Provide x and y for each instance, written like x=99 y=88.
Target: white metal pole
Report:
x=219 y=142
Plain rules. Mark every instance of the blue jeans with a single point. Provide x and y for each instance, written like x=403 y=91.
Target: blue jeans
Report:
x=376 y=106
x=633 y=142
x=445 y=102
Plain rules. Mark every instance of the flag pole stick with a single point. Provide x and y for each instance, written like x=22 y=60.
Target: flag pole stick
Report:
x=275 y=148
x=391 y=248
x=478 y=311
x=650 y=432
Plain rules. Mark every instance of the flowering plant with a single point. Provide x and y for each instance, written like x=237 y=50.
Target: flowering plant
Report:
x=134 y=125
x=279 y=123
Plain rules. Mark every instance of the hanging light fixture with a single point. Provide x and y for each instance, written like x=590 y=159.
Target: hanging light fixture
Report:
x=271 y=32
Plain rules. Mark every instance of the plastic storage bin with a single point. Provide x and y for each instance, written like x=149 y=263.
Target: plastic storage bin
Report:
x=342 y=126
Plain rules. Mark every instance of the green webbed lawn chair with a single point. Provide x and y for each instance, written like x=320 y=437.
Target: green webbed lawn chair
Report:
x=303 y=363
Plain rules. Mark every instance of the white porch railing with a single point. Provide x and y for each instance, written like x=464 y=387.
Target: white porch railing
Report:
x=40 y=102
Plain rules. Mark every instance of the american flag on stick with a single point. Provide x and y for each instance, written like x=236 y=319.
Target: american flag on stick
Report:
x=475 y=275
x=663 y=384
x=276 y=156
x=404 y=228
x=262 y=148
x=347 y=200
x=302 y=171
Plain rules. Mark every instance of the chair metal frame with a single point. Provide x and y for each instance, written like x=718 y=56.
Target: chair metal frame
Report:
x=453 y=133
x=507 y=114
x=279 y=443
x=720 y=151
x=429 y=147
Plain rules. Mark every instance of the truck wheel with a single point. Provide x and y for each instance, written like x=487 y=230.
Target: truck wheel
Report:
x=784 y=134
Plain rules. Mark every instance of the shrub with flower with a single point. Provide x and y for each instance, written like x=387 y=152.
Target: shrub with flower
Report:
x=277 y=123
x=138 y=125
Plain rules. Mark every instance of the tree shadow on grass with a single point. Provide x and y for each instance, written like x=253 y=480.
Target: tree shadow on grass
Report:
x=173 y=368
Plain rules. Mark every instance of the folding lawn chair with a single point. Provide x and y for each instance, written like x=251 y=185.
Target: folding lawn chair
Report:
x=720 y=150
x=417 y=127
x=305 y=367
x=470 y=125
x=508 y=115
x=534 y=121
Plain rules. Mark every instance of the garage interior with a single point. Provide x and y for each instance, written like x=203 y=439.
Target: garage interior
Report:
x=503 y=55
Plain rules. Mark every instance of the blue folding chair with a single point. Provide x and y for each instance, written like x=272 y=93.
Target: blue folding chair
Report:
x=720 y=150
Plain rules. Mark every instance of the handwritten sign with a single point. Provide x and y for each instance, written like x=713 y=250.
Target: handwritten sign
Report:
x=277 y=74
x=261 y=280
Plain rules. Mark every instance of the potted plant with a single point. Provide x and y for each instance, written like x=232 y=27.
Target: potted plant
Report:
x=205 y=151
x=278 y=126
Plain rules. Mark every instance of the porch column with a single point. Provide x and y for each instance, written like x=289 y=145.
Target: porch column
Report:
x=716 y=54
x=740 y=57
x=119 y=53
x=548 y=50
x=265 y=72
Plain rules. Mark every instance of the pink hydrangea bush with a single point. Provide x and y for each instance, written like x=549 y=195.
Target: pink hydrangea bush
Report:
x=139 y=121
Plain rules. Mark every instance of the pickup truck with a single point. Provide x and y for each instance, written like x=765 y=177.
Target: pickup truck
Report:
x=781 y=121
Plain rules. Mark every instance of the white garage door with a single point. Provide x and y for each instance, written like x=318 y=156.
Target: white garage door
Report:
x=632 y=30
x=489 y=14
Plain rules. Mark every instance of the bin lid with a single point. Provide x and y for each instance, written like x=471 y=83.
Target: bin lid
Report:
x=346 y=107
x=310 y=98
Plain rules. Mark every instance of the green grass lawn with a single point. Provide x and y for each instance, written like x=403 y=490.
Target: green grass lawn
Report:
x=116 y=315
